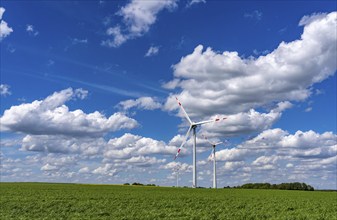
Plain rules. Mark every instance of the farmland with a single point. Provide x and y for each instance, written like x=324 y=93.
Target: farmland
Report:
x=85 y=201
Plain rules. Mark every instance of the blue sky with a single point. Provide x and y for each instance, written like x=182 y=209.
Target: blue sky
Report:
x=88 y=91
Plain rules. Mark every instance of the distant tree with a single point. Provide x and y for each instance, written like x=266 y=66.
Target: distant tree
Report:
x=282 y=186
x=310 y=188
x=126 y=184
x=137 y=184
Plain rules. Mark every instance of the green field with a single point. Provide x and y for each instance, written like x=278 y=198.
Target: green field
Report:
x=81 y=201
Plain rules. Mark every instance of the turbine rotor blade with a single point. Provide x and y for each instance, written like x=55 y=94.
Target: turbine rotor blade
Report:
x=212 y=143
x=207 y=139
x=182 y=144
x=209 y=121
x=183 y=110
x=211 y=155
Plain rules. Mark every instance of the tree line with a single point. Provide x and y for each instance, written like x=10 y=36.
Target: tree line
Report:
x=138 y=184
x=282 y=186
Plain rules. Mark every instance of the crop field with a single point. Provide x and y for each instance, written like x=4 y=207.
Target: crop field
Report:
x=85 y=201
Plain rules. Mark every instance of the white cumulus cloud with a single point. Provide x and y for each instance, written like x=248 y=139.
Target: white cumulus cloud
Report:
x=31 y=30
x=224 y=83
x=276 y=154
x=147 y=103
x=138 y=16
x=49 y=167
x=52 y=117
x=5 y=30
x=2 y=11
x=177 y=167
x=4 y=90
x=152 y=51
x=63 y=144
x=245 y=122
x=129 y=145
x=144 y=161
x=106 y=170
x=232 y=154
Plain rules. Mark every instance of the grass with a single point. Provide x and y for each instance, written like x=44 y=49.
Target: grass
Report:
x=81 y=201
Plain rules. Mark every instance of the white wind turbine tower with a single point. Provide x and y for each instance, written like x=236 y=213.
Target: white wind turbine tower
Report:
x=214 y=160
x=176 y=170
x=193 y=126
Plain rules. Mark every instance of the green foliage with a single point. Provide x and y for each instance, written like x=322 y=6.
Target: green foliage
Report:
x=83 y=201
x=137 y=184
x=283 y=186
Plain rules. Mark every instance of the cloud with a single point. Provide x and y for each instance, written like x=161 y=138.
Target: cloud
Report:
x=202 y=143
x=56 y=162
x=62 y=157
x=245 y=122
x=129 y=145
x=233 y=165
x=307 y=19
x=2 y=11
x=31 y=30
x=138 y=16
x=232 y=154
x=49 y=167
x=307 y=144
x=265 y=160
x=177 y=166
x=118 y=37
x=152 y=51
x=146 y=103
x=224 y=83
x=192 y=2
x=79 y=41
x=256 y=15
x=309 y=109
x=316 y=152
x=76 y=41
x=84 y=170
x=63 y=144
x=11 y=48
x=50 y=63
x=5 y=30
x=52 y=117
x=275 y=154
x=309 y=139
x=143 y=161
x=278 y=139
x=126 y=151
x=106 y=170
x=256 y=52
x=4 y=90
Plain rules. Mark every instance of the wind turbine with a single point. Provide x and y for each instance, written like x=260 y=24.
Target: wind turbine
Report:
x=176 y=170
x=214 y=160
x=193 y=126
